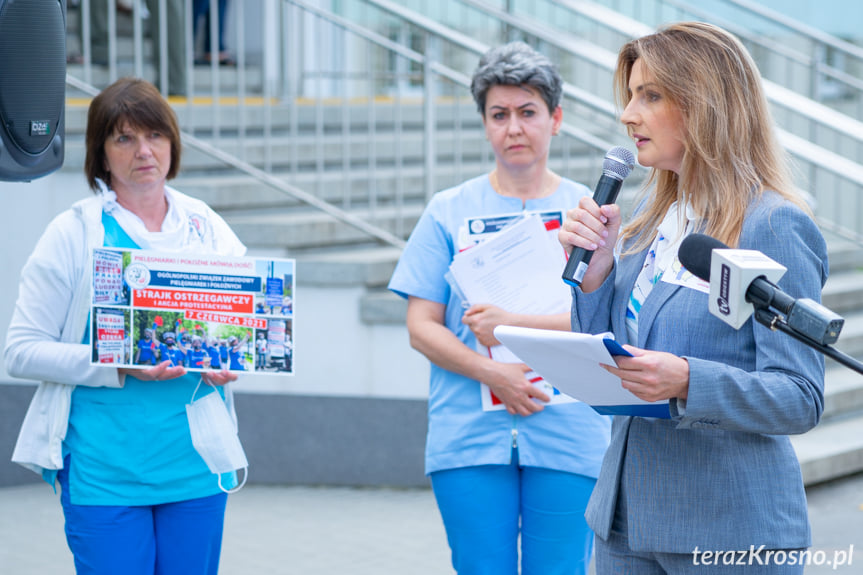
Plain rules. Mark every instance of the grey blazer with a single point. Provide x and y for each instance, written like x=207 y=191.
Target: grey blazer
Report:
x=721 y=473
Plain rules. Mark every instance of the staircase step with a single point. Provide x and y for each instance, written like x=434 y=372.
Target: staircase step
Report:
x=382 y=306
x=844 y=255
x=843 y=391
x=832 y=449
x=308 y=116
x=851 y=338
x=371 y=267
x=844 y=291
x=308 y=228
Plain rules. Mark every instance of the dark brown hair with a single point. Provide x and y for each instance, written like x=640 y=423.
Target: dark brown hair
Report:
x=134 y=102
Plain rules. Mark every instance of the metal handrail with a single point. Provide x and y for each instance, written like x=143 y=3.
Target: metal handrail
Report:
x=776 y=94
x=810 y=33
x=465 y=42
x=812 y=110
x=478 y=48
x=814 y=155
x=432 y=70
x=799 y=27
x=268 y=179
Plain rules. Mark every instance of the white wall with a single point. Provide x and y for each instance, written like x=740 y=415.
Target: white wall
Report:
x=335 y=354
x=27 y=208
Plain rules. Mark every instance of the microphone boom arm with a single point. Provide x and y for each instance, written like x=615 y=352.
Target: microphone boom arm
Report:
x=776 y=322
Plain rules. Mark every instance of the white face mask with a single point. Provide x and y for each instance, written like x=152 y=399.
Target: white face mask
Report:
x=214 y=435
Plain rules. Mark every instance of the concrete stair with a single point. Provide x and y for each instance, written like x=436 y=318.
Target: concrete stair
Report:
x=835 y=447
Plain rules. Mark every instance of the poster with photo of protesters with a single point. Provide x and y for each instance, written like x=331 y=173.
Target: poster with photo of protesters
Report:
x=201 y=312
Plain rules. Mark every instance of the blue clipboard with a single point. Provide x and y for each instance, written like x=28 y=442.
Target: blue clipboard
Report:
x=659 y=411
x=571 y=363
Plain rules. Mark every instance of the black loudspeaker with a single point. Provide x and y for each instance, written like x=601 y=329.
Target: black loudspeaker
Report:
x=32 y=87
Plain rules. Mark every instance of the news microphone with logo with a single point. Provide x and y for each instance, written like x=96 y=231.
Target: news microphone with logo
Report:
x=618 y=163
x=741 y=282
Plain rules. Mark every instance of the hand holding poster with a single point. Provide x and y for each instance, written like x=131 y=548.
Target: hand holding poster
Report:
x=201 y=312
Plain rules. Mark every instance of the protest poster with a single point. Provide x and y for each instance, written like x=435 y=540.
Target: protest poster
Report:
x=200 y=311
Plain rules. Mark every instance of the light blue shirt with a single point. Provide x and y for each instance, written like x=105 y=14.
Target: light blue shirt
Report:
x=568 y=437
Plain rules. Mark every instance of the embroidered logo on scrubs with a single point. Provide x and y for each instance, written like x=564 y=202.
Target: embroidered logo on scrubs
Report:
x=198 y=225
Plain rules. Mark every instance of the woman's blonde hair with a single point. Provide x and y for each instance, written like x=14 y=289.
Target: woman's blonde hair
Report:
x=730 y=151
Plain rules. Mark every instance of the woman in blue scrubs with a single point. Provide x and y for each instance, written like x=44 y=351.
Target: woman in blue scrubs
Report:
x=527 y=471
x=138 y=498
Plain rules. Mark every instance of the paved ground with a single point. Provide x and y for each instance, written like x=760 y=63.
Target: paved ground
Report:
x=268 y=531
x=343 y=531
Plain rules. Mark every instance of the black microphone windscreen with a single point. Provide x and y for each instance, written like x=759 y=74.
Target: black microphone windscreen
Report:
x=695 y=252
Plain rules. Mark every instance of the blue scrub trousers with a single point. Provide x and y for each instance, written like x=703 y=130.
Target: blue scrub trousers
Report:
x=182 y=538
x=483 y=508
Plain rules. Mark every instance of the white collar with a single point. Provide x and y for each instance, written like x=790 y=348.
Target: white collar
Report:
x=173 y=235
x=670 y=233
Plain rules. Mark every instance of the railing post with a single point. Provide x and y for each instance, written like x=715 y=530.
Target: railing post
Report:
x=86 y=41
x=429 y=123
x=163 y=46
x=112 y=42
x=372 y=150
x=189 y=60
x=819 y=54
x=138 y=38
x=271 y=46
x=289 y=48
x=270 y=72
x=507 y=31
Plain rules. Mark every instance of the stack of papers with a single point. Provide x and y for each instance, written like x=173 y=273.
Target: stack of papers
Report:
x=517 y=268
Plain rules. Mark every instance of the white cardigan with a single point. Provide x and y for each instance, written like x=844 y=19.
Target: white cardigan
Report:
x=44 y=338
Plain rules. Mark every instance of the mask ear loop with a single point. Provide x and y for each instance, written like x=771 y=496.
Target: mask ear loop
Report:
x=197 y=387
x=245 y=469
x=238 y=487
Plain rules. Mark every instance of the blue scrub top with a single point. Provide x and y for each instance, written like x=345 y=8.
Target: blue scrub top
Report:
x=196 y=358
x=148 y=351
x=215 y=360
x=568 y=437
x=132 y=445
x=175 y=354
x=236 y=360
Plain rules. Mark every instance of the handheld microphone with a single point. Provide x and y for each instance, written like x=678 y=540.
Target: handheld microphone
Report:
x=618 y=163
x=743 y=284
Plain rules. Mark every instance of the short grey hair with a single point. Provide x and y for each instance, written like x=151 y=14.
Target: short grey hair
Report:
x=516 y=64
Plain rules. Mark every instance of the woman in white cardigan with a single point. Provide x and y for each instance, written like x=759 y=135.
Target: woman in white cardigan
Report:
x=136 y=496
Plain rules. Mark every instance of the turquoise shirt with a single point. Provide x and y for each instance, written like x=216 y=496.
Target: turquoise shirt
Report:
x=131 y=445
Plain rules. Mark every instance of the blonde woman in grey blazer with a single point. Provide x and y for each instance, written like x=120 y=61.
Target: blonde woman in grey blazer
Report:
x=716 y=487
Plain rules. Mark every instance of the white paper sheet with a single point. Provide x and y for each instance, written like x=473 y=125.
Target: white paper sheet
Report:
x=517 y=269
